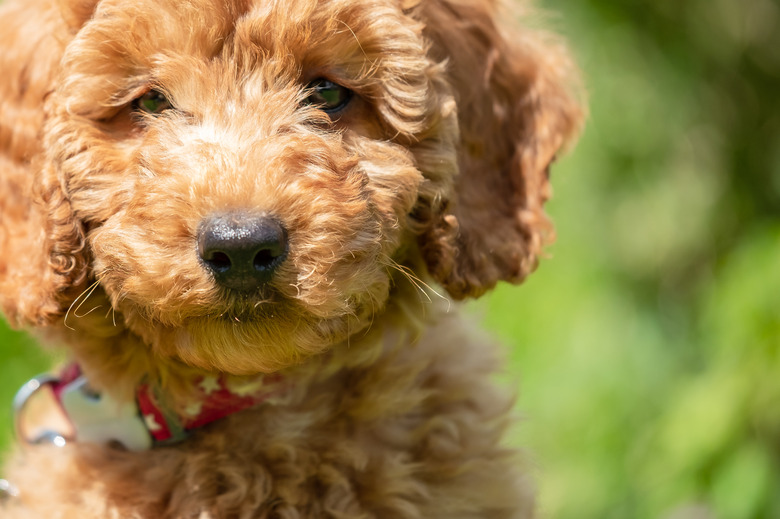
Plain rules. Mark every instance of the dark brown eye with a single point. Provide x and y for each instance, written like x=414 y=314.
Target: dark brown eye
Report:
x=328 y=96
x=152 y=102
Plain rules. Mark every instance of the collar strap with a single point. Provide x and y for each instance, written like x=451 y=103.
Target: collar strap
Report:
x=217 y=398
x=150 y=420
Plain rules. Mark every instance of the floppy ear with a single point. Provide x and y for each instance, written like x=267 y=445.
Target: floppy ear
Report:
x=43 y=259
x=516 y=109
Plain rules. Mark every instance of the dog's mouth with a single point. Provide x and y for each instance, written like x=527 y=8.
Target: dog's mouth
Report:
x=249 y=308
x=248 y=339
x=244 y=333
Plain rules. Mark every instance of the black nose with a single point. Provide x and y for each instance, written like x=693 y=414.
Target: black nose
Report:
x=242 y=251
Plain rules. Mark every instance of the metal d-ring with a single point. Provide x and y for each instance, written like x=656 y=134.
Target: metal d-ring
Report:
x=30 y=388
x=7 y=490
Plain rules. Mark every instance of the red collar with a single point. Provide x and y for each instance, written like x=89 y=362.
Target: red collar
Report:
x=151 y=420
x=216 y=398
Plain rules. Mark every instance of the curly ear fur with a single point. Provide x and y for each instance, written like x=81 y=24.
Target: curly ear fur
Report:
x=42 y=254
x=516 y=109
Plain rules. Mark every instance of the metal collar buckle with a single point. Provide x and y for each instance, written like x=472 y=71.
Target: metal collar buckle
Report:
x=139 y=424
x=21 y=400
x=94 y=417
x=7 y=490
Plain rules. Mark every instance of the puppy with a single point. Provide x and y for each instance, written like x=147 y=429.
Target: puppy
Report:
x=244 y=221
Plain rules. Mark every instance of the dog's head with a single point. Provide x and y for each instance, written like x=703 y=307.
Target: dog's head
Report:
x=244 y=179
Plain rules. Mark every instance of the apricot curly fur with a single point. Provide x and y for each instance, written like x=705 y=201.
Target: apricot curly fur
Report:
x=434 y=174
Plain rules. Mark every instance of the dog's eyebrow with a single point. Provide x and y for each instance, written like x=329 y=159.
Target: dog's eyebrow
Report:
x=357 y=40
x=127 y=93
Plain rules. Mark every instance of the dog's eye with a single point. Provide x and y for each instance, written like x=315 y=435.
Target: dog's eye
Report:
x=152 y=102
x=328 y=96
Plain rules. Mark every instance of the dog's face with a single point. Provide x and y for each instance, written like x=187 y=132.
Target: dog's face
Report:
x=285 y=125
x=245 y=177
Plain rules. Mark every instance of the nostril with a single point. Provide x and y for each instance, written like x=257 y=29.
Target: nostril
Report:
x=219 y=261
x=265 y=258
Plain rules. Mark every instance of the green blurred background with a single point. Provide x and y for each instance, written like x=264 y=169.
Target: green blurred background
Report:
x=647 y=346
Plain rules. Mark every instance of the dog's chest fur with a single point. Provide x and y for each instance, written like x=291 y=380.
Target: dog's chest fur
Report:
x=386 y=426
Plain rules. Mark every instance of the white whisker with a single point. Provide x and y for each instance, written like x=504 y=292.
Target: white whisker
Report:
x=81 y=299
x=416 y=281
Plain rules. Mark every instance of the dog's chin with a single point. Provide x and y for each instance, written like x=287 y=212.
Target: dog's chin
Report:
x=246 y=346
x=249 y=335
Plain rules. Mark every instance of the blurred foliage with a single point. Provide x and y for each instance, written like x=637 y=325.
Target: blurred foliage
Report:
x=20 y=360
x=648 y=343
